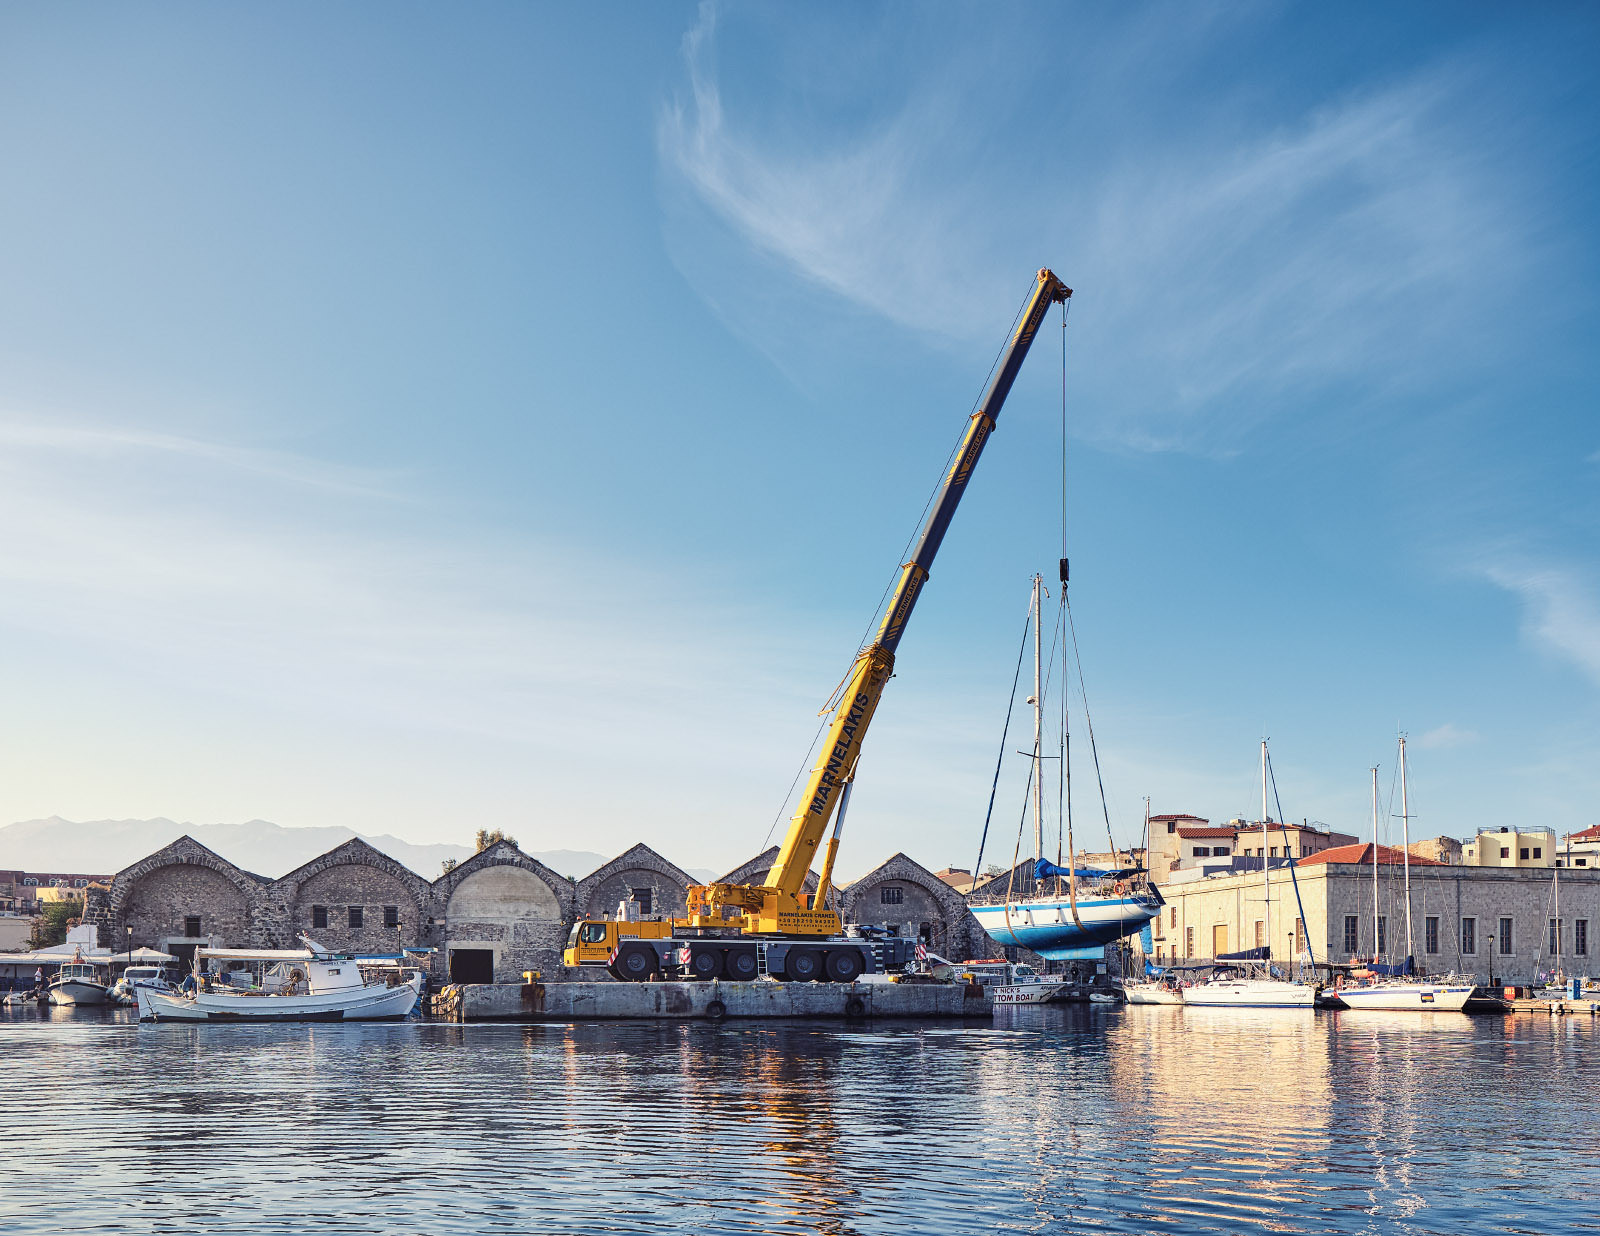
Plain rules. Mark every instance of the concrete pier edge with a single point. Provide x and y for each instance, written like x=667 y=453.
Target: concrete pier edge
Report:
x=716 y=1000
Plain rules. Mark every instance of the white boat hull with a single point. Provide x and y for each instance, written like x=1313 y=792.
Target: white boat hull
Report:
x=1027 y=993
x=1251 y=993
x=374 y=1002
x=1408 y=997
x=76 y=991
x=1151 y=993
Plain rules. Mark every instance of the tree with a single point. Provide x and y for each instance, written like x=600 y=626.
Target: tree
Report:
x=487 y=838
x=447 y=866
x=51 y=927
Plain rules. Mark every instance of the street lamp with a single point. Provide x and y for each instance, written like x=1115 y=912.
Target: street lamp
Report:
x=128 y=927
x=1490 y=938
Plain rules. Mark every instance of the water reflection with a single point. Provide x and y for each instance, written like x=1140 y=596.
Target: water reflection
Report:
x=1050 y=1120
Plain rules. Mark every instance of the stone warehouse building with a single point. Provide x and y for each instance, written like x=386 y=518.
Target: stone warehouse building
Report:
x=490 y=918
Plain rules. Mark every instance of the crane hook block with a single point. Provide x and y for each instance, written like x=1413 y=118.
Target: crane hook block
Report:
x=1063 y=570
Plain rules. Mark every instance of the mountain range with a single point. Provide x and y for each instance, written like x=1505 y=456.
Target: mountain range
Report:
x=102 y=847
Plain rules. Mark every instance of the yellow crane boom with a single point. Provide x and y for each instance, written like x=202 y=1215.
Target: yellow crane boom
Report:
x=779 y=906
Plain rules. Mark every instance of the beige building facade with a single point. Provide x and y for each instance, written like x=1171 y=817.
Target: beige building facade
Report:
x=1492 y=922
x=1511 y=847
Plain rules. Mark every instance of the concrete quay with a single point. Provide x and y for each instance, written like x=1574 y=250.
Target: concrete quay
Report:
x=713 y=1001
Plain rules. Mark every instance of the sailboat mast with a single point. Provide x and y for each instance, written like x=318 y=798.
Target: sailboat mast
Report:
x=1374 y=862
x=1038 y=722
x=1405 y=848
x=1266 y=875
x=1556 y=895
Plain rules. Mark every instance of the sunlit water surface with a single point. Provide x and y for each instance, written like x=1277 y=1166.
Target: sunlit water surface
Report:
x=1051 y=1120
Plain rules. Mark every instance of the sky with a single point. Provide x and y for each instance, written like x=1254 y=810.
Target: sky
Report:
x=420 y=418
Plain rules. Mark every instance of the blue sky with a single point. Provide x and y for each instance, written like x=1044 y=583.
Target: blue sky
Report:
x=418 y=418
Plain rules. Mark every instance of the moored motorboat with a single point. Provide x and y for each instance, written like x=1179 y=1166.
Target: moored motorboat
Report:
x=1014 y=982
x=78 y=982
x=312 y=984
x=1151 y=992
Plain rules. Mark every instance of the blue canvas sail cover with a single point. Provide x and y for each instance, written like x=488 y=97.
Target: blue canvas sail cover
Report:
x=1044 y=869
x=1400 y=967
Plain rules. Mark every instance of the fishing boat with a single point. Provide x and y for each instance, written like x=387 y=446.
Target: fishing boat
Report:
x=78 y=982
x=1151 y=991
x=1394 y=987
x=1248 y=980
x=310 y=984
x=161 y=978
x=1061 y=912
x=1014 y=982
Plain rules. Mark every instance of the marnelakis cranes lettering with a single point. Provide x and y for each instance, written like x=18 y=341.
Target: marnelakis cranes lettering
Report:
x=742 y=931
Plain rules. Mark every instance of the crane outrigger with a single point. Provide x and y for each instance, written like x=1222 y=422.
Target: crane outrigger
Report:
x=739 y=931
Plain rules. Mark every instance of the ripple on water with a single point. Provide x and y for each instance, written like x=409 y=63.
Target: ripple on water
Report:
x=1052 y=1120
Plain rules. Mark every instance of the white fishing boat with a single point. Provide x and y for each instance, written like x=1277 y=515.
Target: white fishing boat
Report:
x=1014 y=982
x=312 y=984
x=162 y=978
x=78 y=982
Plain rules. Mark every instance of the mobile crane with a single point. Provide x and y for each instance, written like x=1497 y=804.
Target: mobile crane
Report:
x=740 y=931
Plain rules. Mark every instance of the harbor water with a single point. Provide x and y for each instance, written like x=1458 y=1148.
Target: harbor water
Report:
x=1048 y=1120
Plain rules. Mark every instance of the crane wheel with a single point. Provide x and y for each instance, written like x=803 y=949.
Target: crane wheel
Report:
x=635 y=963
x=741 y=965
x=843 y=965
x=704 y=964
x=803 y=965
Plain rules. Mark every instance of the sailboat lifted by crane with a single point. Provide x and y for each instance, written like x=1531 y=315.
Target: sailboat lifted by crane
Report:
x=1062 y=911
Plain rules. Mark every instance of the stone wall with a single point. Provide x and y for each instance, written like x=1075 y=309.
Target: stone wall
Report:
x=902 y=892
x=507 y=903
x=368 y=902
x=640 y=868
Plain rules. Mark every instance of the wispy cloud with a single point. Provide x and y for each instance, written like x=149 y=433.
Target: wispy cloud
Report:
x=1560 y=611
x=1446 y=736
x=1225 y=268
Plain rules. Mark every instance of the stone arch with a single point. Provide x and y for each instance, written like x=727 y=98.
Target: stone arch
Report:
x=354 y=897
x=507 y=904
x=902 y=892
x=598 y=894
x=159 y=895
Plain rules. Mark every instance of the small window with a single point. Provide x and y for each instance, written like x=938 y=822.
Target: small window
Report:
x=890 y=895
x=1469 y=936
x=391 y=916
x=1261 y=935
x=1383 y=933
x=1505 y=937
x=191 y=926
x=81 y=883
x=1580 y=937
x=1580 y=862
x=1430 y=934
x=31 y=881
x=1202 y=851
x=1274 y=852
x=1220 y=851
x=1555 y=936
x=319 y=917
x=1172 y=826
x=1173 y=921
x=1522 y=854
x=1352 y=934
x=642 y=896
x=355 y=916
x=1538 y=851
x=1505 y=852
